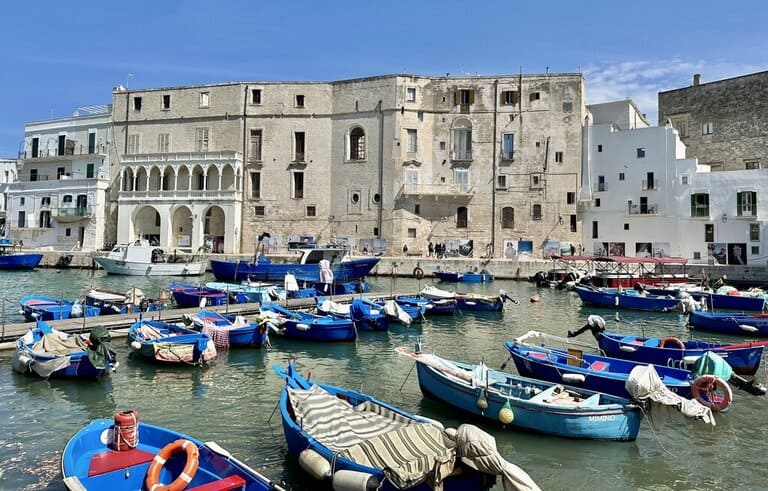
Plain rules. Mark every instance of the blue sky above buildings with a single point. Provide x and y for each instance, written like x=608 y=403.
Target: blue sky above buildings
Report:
x=59 y=56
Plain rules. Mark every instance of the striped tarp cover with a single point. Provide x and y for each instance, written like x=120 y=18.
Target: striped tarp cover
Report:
x=406 y=450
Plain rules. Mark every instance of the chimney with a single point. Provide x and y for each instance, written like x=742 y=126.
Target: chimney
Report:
x=696 y=79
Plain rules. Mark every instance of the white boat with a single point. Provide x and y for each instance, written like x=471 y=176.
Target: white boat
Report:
x=141 y=259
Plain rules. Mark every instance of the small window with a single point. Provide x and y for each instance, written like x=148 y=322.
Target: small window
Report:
x=410 y=94
x=570 y=197
x=67 y=232
x=259 y=211
x=417 y=209
x=684 y=180
x=594 y=230
x=462 y=217
x=355 y=198
x=254 y=146
x=311 y=211
x=641 y=153
x=137 y=104
x=163 y=142
x=376 y=198
x=707 y=128
x=420 y=115
x=535 y=181
x=133 y=144
x=501 y=182
x=67 y=199
x=626 y=226
x=442 y=145
x=375 y=231
x=558 y=157
x=508 y=146
x=299 y=100
x=204 y=99
x=573 y=223
x=535 y=96
x=510 y=97
x=411 y=233
x=413 y=143
x=696 y=254
x=299 y=144
x=700 y=205
x=751 y=164
x=567 y=107
x=201 y=139
x=621 y=176
x=46 y=201
x=754 y=232
x=255 y=96
x=599 y=148
x=255 y=185
x=709 y=232
x=597 y=202
x=22 y=200
x=507 y=217
x=755 y=250
x=538 y=144
x=536 y=212
x=166 y=101
x=357 y=144
x=298 y=185
x=466 y=96
x=746 y=203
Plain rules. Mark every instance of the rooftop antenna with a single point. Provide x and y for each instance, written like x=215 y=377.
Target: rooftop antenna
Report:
x=128 y=78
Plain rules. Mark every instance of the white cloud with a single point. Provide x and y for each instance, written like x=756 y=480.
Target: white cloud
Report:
x=642 y=80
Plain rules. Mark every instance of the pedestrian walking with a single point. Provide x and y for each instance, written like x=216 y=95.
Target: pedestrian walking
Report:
x=430 y=249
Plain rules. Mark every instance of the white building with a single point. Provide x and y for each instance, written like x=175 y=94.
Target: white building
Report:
x=59 y=198
x=7 y=175
x=640 y=196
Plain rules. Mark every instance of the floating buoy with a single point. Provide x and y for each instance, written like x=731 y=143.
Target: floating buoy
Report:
x=535 y=297
x=482 y=402
x=315 y=464
x=627 y=349
x=506 y=416
x=573 y=378
x=344 y=480
x=136 y=345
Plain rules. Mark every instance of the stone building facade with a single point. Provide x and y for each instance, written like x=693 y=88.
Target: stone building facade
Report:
x=407 y=159
x=722 y=123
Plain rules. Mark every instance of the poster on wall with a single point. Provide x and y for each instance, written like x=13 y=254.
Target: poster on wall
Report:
x=600 y=248
x=525 y=247
x=643 y=249
x=661 y=249
x=510 y=249
x=371 y=247
x=567 y=249
x=737 y=253
x=616 y=249
x=551 y=248
x=466 y=248
x=716 y=253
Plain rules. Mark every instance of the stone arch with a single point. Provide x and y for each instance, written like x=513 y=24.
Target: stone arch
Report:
x=182 y=178
x=141 y=179
x=356 y=145
x=146 y=222
x=154 y=178
x=182 y=226
x=128 y=176
x=212 y=178
x=214 y=228
x=198 y=178
x=228 y=178
x=169 y=179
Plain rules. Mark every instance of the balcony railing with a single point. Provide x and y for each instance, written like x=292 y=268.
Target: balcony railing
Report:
x=643 y=209
x=178 y=194
x=69 y=151
x=700 y=212
x=465 y=190
x=465 y=155
x=601 y=186
x=71 y=214
x=652 y=186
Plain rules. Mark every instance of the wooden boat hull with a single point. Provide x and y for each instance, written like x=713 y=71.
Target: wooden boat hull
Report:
x=175 y=345
x=20 y=261
x=745 y=324
x=114 y=266
x=550 y=364
x=80 y=365
x=309 y=327
x=251 y=336
x=745 y=360
x=617 y=421
x=613 y=299
x=89 y=463
x=352 y=270
x=298 y=440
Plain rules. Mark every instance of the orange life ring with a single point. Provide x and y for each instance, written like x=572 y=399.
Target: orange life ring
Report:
x=190 y=468
x=671 y=340
x=418 y=273
x=703 y=388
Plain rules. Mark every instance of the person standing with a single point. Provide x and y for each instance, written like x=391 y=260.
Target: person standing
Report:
x=430 y=249
x=405 y=249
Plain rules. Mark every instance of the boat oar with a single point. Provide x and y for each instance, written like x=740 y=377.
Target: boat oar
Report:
x=748 y=385
x=504 y=365
x=406 y=377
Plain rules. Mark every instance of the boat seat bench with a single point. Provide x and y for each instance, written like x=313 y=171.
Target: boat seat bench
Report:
x=111 y=460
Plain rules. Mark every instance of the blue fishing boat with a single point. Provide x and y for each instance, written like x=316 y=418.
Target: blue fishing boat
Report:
x=41 y=307
x=525 y=403
x=744 y=323
x=201 y=296
x=366 y=315
x=626 y=299
x=124 y=454
x=343 y=436
x=10 y=258
x=590 y=371
x=744 y=358
x=310 y=327
x=232 y=330
x=110 y=303
x=46 y=352
x=251 y=291
x=468 y=301
x=464 y=277
x=168 y=343
x=730 y=298
x=344 y=267
x=421 y=306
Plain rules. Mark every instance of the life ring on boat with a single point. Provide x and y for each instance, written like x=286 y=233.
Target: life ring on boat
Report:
x=703 y=388
x=418 y=273
x=190 y=467
x=671 y=340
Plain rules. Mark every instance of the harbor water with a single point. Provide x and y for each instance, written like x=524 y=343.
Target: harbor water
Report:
x=232 y=401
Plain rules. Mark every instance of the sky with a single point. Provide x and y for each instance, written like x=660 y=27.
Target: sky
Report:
x=58 y=56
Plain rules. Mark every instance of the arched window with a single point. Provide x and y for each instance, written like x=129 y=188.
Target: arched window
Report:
x=357 y=144
x=461 y=217
x=507 y=217
x=462 y=140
